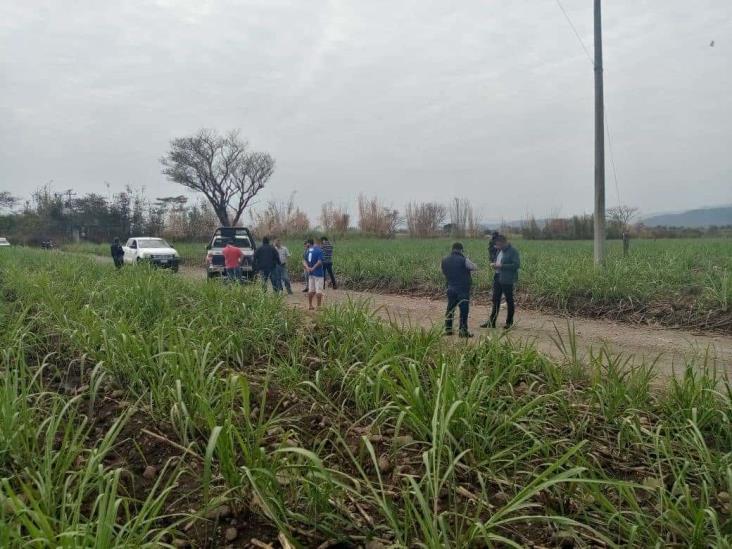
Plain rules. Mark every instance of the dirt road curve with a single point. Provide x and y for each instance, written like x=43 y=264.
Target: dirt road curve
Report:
x=672 y=348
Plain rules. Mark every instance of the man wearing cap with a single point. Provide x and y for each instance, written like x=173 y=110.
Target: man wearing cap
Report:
x=457 y=270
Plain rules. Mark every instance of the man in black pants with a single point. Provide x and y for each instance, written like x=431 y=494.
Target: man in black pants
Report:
x=457 y=268
x=507 y=265
x=327 y=248
x=118 y=253
x=266 y=261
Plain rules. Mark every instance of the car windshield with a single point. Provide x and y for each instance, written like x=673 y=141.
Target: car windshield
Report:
x=239 y=242
x=152 y=243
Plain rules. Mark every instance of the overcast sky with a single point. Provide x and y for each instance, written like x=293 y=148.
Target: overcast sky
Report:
x=490 y=100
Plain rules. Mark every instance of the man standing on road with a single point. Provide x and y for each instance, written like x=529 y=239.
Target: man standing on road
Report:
x=118 y=253
x=492 y=250
x=232 y=261
x=327 y=248
x=267 y=260
x=313 y=264
x=282 y=275
x=457 y=270
x=507 y=265
x=305 y=272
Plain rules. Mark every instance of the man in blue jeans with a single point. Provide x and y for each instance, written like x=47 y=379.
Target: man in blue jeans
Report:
x=457 y=270
x=282 y=274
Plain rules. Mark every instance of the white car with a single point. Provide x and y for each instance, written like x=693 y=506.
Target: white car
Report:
x=4 y=242
x=155 y=251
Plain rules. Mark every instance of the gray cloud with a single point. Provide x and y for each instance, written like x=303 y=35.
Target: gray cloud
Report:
x=427 y=100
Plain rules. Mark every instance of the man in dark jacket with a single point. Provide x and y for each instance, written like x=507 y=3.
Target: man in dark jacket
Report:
x=507 y=265
x=118 y=253
x=266 y=261
x=492 y=250
x=457 y=270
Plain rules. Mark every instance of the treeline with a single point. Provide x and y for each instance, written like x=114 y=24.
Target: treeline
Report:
x=581 y=227
x=375 y=218
x=63 y=216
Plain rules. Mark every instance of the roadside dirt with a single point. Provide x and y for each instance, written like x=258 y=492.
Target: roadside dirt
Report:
x=671 y=349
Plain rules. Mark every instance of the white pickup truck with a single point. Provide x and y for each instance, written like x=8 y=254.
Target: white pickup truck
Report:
x=242 y=238
x=148 y=249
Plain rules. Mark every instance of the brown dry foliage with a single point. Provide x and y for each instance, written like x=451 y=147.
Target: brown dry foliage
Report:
x=425 y=219
x=280 y=218
x=375 y=218
x=334 y=219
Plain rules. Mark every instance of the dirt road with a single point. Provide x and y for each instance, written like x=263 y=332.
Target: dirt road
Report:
x=671 y=348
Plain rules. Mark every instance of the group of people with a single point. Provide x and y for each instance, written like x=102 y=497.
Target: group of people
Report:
x=458 y=270
x=270 y=261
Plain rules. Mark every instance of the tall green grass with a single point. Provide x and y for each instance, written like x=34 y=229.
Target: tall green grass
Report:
x=674 y=282
x=340 y=427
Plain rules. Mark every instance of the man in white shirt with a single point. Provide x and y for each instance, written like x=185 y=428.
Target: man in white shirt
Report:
x=283 y=276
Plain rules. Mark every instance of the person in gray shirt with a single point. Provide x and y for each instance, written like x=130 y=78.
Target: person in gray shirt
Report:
x=283 y=276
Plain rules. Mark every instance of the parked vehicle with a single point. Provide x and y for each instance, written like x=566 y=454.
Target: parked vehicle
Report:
x=47 y=244
x=4 y=242
x=242 y=238
x=155 y=251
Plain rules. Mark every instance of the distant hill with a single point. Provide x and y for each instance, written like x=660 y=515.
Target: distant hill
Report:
x=702 y=217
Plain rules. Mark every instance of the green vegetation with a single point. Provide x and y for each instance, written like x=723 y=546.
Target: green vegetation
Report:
x=141 y=408
x=674 y=282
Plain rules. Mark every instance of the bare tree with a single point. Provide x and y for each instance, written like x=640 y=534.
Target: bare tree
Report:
x=7 y=200
x=222 y=168
x=621 y=216
x=334 y=219
x=375 y=218
x=461 y=213
x=425 y=219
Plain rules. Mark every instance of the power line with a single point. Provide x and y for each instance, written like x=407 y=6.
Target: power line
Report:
x=607 y=125
x=612 y=157
x=577 y=34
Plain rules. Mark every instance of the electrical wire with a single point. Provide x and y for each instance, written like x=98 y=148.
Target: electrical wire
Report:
x=577 y=34
x=607 y=125
x=612 y=156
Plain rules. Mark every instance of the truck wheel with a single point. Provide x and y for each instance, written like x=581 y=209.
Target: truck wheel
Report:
x=174 y=268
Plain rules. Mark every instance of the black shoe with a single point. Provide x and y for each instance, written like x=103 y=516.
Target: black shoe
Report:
x=305 y=291
x=487 y=324
x=508 y=326
x=466 y=334
x=448 y=333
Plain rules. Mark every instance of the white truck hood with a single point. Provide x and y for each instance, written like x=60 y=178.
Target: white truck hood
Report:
x=157 y=251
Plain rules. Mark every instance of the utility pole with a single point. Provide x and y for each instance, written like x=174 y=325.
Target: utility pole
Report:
x=599 y=227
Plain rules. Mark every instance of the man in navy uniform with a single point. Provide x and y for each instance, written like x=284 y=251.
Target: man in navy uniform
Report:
x=457 y=270
x=507 y=265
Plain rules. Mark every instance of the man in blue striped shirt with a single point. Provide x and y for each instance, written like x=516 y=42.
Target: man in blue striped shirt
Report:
x=327 y=248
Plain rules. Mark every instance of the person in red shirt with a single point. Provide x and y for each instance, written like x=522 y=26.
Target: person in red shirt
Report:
x=232 y=261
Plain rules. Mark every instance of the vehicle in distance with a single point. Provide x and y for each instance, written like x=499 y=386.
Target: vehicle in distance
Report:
x=155 y=251
x=242 y=238
x=4 y=242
